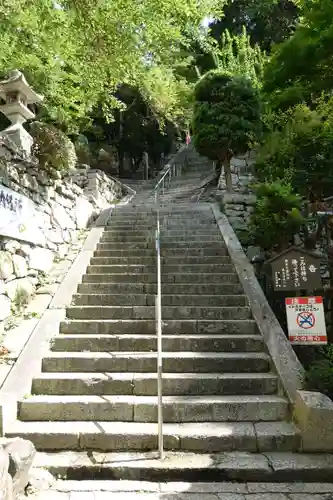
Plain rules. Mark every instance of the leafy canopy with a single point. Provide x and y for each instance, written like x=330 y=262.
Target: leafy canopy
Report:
x=267 y=21
x=226 y=115
x=302 y=150
x=237 y=56
x=76 y=52
x=301 y=68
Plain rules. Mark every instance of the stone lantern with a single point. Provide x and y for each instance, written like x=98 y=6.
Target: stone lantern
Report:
x=17 y=94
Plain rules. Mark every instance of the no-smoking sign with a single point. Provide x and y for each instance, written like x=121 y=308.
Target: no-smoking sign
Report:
x=306 y=320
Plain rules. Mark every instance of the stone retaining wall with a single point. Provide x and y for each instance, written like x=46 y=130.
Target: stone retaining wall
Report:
x=64 y=207
x=238 y=205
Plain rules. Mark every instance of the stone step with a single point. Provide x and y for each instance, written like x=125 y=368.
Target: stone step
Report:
x=168 y=232
x=178 y=278
x=167 y=211
x=165 y=268
x=177 y=362
x=167 y=300
x=145 y=326
x=173 y=244
x=109 y=251
x=137 y=209
x=202 y=437
x=131 y=408
x=151 y=219
x=200 y=343
x=165 y=239
x=149 y=312
x=259 y=470
x=167 y=288
x=146 y=384
x=104 y=259
x=165 y=225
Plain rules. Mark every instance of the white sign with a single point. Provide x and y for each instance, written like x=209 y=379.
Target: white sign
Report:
x=19 y=218
x=306 y=321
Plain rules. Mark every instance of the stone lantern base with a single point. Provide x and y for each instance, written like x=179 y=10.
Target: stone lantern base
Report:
x=17 y=134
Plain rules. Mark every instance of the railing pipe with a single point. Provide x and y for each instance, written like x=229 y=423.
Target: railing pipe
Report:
x=170 y=170
x=158 y=306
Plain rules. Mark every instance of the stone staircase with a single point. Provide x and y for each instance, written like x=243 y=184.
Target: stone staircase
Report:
x=98 y=384
x=95 y=396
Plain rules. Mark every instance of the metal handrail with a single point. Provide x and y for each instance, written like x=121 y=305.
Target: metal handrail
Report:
x=169 y=170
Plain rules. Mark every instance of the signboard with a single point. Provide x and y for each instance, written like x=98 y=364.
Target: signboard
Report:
x=19 y=218
x=306 y=321
x=296 y=269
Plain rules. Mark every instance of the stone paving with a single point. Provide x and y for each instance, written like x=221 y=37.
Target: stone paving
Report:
x=118 y=490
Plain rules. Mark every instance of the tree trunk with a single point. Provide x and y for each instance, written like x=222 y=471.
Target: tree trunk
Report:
x=227 y=174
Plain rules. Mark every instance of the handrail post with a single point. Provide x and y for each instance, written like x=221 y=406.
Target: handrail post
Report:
x=158 y=309
x=170 y=170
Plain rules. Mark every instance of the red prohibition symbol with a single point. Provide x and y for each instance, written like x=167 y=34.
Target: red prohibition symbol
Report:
x=306 y=320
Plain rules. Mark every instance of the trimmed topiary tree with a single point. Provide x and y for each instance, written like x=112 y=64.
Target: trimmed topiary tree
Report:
x=226 y=119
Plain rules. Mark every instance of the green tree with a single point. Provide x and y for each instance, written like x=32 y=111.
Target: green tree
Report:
x=238 y=57
x=226 y=118
x=302 y=149
x=76 y=53
x=267 y=22
x=135 y=130
x=300 y=69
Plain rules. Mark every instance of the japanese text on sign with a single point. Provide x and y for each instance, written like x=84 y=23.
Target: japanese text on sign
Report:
x=296 y=269
x=306 y=320
x=19 y=218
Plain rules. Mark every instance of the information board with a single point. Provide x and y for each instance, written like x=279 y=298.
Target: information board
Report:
x=19 y=218
x=296 y=269
x=306 y=320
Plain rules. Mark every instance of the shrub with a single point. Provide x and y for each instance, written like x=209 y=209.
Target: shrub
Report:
x=276 y=217
x=53 y=149
x=319 y=376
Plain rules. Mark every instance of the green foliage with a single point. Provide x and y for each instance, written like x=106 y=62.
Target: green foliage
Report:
x=238 y=57
x=267 y=21
x=134 y=131
x=55 y=152
x=319 y=376
x=301 y=147
x=301 y=68
x=20 y=300
x=226 y=115
x=276 y=217
x=76 y=53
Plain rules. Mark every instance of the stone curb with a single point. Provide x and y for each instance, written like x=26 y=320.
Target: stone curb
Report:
x=190 y=488
x=227 y=467
x=18 y=378
x=312 y=411
x=284 y=358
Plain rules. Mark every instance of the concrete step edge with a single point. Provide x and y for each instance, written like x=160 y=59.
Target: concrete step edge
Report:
x=153 y=375
x=166 y=355
x=201 y=437
x=268 y=467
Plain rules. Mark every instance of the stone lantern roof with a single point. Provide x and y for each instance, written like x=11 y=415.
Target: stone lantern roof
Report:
x=17 y=94
x=17 y=83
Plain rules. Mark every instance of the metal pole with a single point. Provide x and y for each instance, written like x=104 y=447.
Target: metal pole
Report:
x=158 y=307
x=146 y=165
